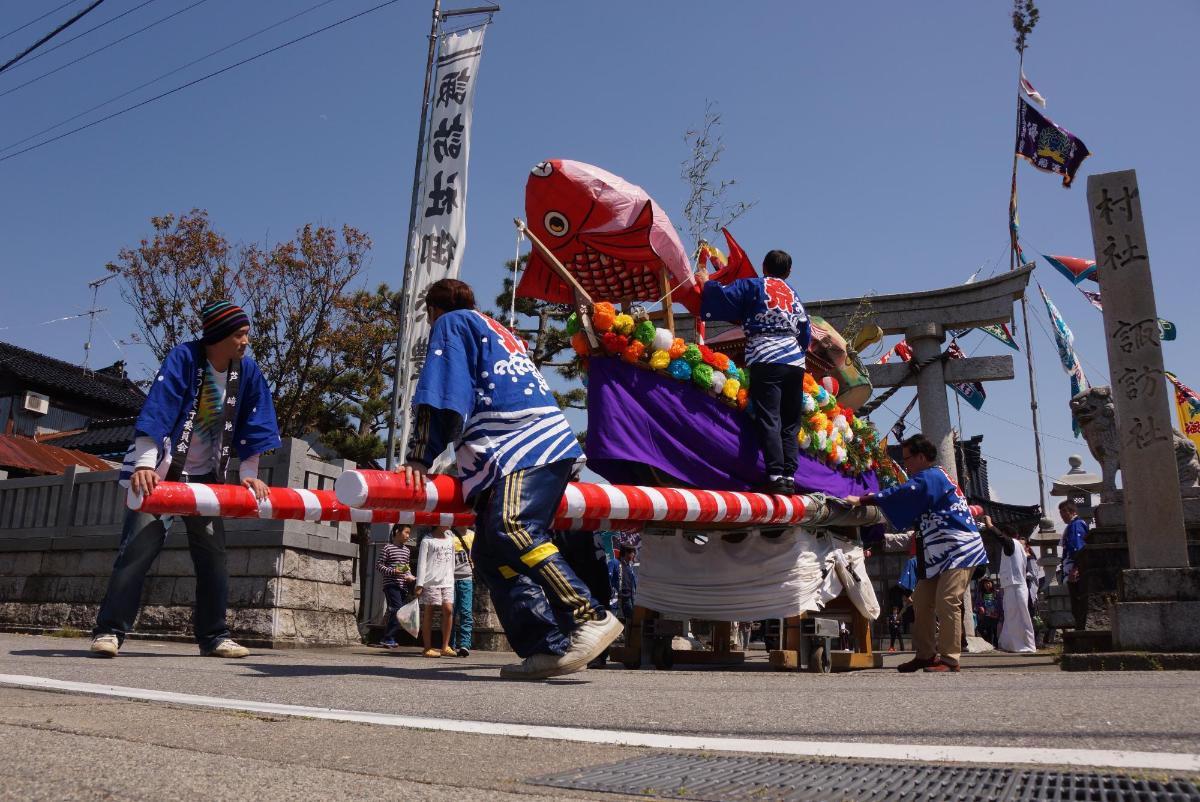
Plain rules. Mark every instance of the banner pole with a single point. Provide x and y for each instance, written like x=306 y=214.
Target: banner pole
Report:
x=405 y=305
x=1012 y=265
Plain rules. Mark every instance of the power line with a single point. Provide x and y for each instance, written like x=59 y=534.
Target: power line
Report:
x=1015 y=465
x=101 y=48
x=1028 y=429
x=39 y=19
x=201 y=79
x=82 y=34
x=167 y=74
x=49 y=36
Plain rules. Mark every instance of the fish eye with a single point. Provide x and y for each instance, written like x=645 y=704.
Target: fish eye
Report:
x=542 y=169
x=556 y=223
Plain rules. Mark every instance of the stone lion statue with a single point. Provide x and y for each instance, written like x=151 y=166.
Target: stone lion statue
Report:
x=1096 y=414
x=1187 y=461
x=1094 y=411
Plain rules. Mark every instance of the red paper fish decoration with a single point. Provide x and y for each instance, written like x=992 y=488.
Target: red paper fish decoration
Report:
x=607 y=232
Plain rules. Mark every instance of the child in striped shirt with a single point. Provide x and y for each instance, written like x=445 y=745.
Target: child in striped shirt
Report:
x=395 y=566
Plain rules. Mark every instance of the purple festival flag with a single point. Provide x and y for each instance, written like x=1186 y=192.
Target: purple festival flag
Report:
x=1048 y=146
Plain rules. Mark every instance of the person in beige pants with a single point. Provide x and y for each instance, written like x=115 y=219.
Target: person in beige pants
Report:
x=948 y=550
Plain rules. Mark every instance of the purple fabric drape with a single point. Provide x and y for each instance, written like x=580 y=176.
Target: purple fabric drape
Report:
x=637 y=417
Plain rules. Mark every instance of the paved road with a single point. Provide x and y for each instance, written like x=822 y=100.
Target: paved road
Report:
x=66 y=746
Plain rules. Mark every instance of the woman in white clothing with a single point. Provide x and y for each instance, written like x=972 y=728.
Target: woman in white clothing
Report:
x=1016 y=632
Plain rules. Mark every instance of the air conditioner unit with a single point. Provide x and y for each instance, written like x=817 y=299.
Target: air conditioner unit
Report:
x=37 y=403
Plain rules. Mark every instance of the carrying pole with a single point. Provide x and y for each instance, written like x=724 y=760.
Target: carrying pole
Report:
x=583 y=299
x=405 y=302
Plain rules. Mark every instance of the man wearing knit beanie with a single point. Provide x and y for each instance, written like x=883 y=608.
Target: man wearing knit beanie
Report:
x=221 y=319
x=208 y=401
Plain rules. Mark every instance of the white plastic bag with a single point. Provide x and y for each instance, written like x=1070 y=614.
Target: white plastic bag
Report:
x=409 y=617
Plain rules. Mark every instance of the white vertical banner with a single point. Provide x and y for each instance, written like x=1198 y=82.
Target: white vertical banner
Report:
x=441 y=231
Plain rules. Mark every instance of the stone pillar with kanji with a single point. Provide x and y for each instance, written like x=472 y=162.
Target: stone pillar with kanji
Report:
x=1158 y=598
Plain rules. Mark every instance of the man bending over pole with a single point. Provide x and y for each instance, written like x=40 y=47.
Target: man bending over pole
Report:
x=480 y=392
x=948 y=549
x=208 y=398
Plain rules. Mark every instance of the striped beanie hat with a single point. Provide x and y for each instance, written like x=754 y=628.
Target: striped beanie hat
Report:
x=220 y=319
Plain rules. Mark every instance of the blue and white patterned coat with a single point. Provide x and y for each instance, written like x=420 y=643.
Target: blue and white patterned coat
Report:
x=777 y=328
x=480 y=391
x=947 y=535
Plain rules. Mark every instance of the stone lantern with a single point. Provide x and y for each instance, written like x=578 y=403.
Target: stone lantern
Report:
x=1078 y=485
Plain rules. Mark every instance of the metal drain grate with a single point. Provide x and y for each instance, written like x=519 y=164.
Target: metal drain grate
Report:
x=732 y=778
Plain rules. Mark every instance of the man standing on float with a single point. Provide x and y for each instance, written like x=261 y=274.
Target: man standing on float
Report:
x=480 y=393
x=777 y=336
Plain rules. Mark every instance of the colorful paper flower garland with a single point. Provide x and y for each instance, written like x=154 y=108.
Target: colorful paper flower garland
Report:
x=829 y=432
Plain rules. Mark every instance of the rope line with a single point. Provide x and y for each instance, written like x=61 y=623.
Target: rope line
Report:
x=914 y=368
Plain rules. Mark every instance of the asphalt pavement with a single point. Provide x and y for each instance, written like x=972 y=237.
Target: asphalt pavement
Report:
x=80 y=745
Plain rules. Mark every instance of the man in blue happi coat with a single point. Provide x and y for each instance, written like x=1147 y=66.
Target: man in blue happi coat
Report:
x=1074 y=539
x=948 y=550
x=208 y=400
x=777 y=336
x=481 y=394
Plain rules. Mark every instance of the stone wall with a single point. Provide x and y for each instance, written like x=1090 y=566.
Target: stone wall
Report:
x=292 y=583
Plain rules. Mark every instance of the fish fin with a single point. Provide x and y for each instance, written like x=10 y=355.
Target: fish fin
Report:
x=539 y=281
x=629 y=244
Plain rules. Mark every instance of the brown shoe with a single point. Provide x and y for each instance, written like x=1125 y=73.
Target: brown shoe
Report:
x=940 y=665
x=916 y=664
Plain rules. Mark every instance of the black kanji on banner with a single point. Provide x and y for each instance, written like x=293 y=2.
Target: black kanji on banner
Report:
x=442 y=199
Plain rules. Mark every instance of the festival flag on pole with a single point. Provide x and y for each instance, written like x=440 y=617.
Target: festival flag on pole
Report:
x=737 y=266
x=1074 y=268
x=1093 y=298
x=1048 y=146
x=1000 y=331
x=440 y=236
x=1028 y=89
x=902 y=350
x=1003 y=333
x=1167 y=330
x=1066 y=351
x=1187 y=405
x=971 y=392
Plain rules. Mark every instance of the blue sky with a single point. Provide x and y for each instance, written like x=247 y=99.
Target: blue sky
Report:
x=875 y=137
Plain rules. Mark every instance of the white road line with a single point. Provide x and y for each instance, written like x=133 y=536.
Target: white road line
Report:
x=1169 y=761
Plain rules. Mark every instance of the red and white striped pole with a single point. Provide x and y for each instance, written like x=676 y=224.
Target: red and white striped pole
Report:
x=383 y=489
x=290 y=504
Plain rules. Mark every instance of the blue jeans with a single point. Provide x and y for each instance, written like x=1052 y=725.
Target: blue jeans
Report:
x=396 y=598
x=142 y=538
x=464 y=613
x=537 y=595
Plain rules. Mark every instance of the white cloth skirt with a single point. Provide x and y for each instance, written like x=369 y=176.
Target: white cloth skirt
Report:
x=754 y=579
x=1016 y=633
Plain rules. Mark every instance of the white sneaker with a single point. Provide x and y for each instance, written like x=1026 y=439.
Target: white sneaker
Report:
x=105 y=645
x=540 y=666
x=591 y=638
x=228 y=648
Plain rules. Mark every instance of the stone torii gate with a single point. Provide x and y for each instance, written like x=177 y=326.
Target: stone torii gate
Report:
x=924 y=318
